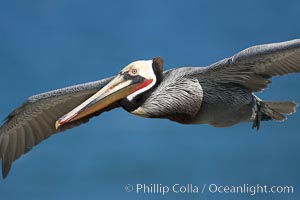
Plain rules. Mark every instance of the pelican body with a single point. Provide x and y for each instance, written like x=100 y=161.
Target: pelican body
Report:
x=221 y=95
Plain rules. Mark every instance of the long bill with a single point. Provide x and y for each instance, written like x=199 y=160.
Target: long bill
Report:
x=115 y=90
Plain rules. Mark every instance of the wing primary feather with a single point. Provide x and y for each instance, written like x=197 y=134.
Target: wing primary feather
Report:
x=8 y=155
x=34 y=120
x=264 y=60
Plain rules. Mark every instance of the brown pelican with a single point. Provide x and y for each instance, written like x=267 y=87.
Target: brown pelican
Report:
x=220 y=94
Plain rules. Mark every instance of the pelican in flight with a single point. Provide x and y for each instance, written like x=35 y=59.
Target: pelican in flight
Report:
x=221 y=95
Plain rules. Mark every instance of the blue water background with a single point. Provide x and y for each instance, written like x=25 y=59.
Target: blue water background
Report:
x=49 y=44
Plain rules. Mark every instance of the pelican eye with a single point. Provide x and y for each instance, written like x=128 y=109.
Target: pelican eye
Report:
x=134 y=71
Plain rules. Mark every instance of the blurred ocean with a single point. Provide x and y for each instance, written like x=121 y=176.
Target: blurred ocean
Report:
x=46 y=45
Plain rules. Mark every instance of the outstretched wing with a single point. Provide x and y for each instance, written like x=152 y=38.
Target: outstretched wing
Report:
x=254 y=66
x=34 y=121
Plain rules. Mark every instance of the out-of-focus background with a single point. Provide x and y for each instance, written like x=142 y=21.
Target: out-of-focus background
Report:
x=46 y=45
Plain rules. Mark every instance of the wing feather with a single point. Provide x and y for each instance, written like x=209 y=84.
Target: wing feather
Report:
x=34 y=121
x=253 y=66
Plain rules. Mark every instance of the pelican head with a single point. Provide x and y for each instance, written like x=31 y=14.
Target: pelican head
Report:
x=135 y=79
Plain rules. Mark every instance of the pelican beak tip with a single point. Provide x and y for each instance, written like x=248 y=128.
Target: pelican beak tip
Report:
x=57 y=125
